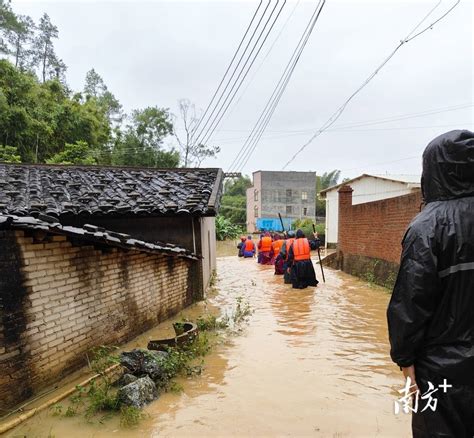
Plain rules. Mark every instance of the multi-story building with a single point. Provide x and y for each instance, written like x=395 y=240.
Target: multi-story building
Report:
x=292 y=194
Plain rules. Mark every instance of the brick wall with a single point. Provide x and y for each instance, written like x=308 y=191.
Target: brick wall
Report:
x=373 y=230
x=59 y=299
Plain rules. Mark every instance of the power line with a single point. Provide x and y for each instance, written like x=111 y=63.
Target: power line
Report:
x=236 y=67
x=341 y=109
x=223 y=108
x=252 y=140
x=249 y=149
x=397 y=128
x=387 y=119
x=228 y=67
x=249 y=82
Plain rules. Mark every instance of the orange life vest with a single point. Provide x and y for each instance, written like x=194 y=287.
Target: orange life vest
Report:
x=301 y=249
x=265 y=244
x=277 y=246
x=288 y=243
x=249 y=245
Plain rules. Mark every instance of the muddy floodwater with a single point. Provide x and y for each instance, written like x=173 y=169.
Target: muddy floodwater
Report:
x=310 y=362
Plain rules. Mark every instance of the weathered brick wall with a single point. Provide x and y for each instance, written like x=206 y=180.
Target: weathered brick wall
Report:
x=61 y=299
x=373 y=230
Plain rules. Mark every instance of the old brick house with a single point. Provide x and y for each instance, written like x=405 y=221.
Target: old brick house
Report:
x=95 y=255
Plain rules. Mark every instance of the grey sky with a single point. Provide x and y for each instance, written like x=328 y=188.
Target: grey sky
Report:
x=153 y=53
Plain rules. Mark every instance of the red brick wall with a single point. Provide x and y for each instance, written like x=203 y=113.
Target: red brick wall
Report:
x=375 y=229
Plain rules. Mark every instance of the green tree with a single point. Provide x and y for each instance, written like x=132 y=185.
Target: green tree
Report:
x=77 y=153
x=8 y=23
x=234 y=200
x=141 y=144
x=40 y=118
x=192 y=151
x=20 y=37
x=237 y=186
x=9 y=154
x=324 y=181
x=45 y=58
x=95 y=88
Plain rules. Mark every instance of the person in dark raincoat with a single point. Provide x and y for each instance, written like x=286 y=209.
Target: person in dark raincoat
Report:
x=431 y=312
x=301 y=267
x=277 y=259
x=285 y=249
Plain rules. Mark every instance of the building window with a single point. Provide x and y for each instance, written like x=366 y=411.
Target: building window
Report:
x=288 y=193
x=289 y=210
x=255 y=195
x=304 y=196
x=255 y=211
x=305 y=211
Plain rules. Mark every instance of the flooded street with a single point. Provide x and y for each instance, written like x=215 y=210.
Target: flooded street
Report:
x=310 y=362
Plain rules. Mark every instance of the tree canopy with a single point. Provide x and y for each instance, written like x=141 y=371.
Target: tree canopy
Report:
x=42 y=120
x=234 y=200
x=324 y=181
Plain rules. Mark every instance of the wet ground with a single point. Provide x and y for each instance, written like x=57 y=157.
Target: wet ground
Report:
x=311 y=362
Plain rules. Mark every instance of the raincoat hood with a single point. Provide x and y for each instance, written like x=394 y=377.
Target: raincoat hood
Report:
x=448 y=167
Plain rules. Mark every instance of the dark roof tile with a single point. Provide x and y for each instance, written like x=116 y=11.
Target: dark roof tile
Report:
x=93 y=190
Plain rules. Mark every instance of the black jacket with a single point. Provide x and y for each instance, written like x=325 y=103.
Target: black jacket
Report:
x=431 y=312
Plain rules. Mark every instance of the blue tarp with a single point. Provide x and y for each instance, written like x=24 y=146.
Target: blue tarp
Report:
x=273 y=224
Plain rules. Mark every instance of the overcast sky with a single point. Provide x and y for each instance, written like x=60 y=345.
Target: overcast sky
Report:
x=156 y=52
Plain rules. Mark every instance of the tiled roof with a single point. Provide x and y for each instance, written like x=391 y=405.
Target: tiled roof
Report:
x=28 y=190
x=93 y=234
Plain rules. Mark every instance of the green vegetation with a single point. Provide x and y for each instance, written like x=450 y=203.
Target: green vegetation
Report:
x=8 y=154
x=234 y=200
x=225 y=229
x=131 y=416
x=306 y=225
x=324 y=181
x=43 y=121
x=210 y=322
x=98 y=400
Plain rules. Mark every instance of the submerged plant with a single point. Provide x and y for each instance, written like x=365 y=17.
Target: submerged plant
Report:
x=131 y=416
x=211 y=322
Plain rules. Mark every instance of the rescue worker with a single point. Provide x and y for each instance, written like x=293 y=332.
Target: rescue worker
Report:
x=241 y=246
x=300 y=265
x=264 y=249
x=259 y=257
x=290 y=237
x=430 y=315
x=249 y=248
x=277 y=260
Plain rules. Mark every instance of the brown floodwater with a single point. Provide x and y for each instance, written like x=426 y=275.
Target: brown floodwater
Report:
x=310 y=362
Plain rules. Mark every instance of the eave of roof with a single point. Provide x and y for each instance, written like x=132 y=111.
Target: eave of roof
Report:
x=366 y=175
x=94 y=234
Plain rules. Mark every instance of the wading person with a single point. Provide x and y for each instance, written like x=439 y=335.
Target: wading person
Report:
x=300 y=265
x=276 y=247
x=264 y=249
x=290 y=237
x=241 y=246
x=277 y=259
x=249 y=247
x=431 y=312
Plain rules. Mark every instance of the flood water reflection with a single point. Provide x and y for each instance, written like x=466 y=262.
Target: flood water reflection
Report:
x=311 y=362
